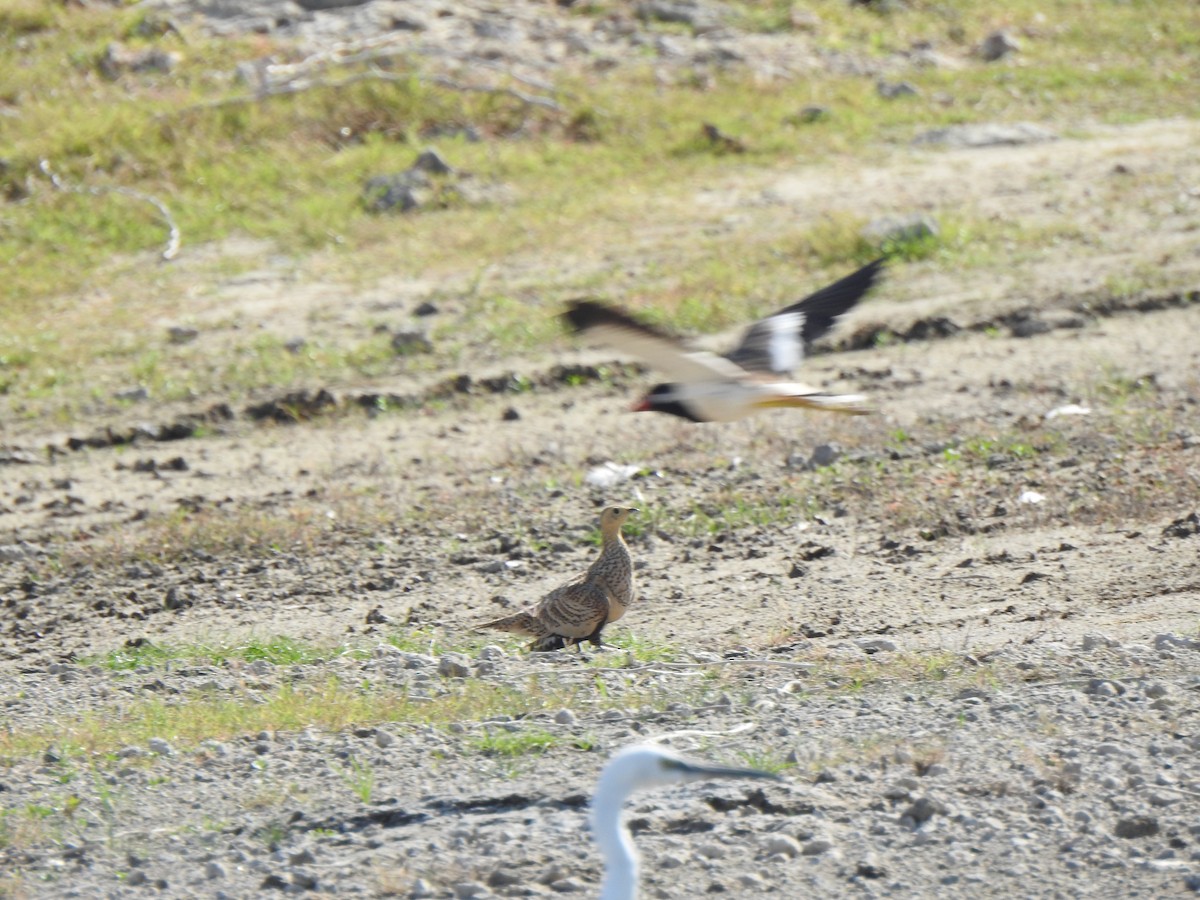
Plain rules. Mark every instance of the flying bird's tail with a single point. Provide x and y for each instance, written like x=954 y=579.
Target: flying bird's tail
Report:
x=850 y=404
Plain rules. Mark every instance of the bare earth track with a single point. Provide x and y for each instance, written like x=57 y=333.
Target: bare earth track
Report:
x=974 y=634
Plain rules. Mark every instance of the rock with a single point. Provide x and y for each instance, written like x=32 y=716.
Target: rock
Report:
x=1102 y=688
x=564 y=717
x=377 y=617
x=1175 y=642
x=870 y=868
x=817 y=846
x=452 y=666
x=161 y=747
x=119 y=59
x=922 y=810
x=465 y=890
x=132 y=395
x=568 y=886
x=997 y=45
x=403 y=192
x=213 y=870
x=510 y=414
x=1163 y=798
x=712 y=850
x=986 y=135
x=698 y=16
x=809 y=115
x=426 y=309
x=876 y=645
x=891 y=90
x=501 y=878
x=825 y=455
x=900 y=229
x=410 y=341
x=1156 y=689
x=385 y=739
x=14 y=552
x=782 y=844
x=420 y=890
x=179 y=334
x=1096 y=641
x=429 y=161
x=1133 y=827
x=1028 y=325
x=1188 y=526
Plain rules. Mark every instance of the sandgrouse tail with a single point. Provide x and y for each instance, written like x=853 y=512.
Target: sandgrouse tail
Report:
x=578 y=610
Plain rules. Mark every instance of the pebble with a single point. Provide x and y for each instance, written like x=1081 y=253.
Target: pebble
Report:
x=817 y=846
x=782 y=844
x=453 y=666
x=160 y=747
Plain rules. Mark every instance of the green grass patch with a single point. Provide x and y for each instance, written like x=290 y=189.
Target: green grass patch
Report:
x=280 y=651
x=329 y=703
x=513 y=743
x=290 y=169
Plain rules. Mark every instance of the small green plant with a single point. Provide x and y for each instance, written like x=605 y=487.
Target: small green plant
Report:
x=272 y=834
x=359 y=776
x=766 y=762
x=641 y=649
x=514 y=743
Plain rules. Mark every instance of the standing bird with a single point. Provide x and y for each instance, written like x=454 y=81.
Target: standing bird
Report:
x=639 y=766
x=578 y=610
x=756 y=375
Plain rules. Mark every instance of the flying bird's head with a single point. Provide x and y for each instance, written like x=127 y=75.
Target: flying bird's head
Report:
x=664 y=398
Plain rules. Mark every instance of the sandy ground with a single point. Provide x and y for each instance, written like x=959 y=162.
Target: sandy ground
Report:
x=963 y=518
x=951 y=558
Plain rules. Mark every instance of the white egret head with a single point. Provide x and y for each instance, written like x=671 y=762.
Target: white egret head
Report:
x=633 y=768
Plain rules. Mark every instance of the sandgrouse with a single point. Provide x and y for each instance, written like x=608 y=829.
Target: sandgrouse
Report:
x=756 y=375
x=578 y=610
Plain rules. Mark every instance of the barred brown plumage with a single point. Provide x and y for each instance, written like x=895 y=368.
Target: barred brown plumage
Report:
x=578 y=610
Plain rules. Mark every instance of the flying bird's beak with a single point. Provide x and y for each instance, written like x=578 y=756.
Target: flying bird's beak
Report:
x=642 y=405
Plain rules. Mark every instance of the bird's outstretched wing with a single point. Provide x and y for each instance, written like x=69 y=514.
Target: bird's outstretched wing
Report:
x=776 y=344
x=617 y=329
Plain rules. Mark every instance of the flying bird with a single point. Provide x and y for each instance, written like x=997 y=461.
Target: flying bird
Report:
x=757 y=374
x=635 y=767
x=578 y=610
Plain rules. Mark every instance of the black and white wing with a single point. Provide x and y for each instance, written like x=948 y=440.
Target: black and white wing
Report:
x=776 y=344
x=617 y=329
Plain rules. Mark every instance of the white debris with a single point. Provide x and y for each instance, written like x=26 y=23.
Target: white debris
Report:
x=1031 y=497
x=1071 y=409
x=609 y=474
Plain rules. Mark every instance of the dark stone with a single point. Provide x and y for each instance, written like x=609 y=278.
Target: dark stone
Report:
x=1136 y=827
